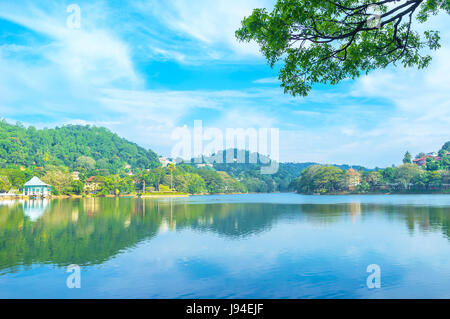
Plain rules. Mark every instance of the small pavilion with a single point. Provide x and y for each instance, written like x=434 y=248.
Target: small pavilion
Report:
x=36 y=187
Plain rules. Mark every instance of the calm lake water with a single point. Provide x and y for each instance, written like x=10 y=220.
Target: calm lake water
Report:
x=235 y=246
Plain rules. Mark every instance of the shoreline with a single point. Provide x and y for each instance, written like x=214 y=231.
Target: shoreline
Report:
x=162 y=196
x=25 y=197
x=390 y=193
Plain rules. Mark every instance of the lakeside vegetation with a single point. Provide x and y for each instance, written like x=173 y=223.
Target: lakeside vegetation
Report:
x=87 y=160
x=431 y=174
x=72 y=146
x=248 y=172
x=79 y=160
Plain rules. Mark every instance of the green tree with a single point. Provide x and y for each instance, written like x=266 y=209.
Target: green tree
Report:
x=434 y=179
x=86 y=162
x=230 y=184
x=432 y=164
x=421 y=154
x=77 y=187
x=320 y=179
x=5 y=185
x=60 y=179
x=214 y=182
x=17 y=177
x=156 y=175
x=255 y=185
x=332 y=40
x=364 y=187
x=328 y=179
x=171 y=168
x=407 y=158
x=405 y=174
x=388 y=174
x=445 y=162
x=304 y=183
x=116 y=184
x=196 y=184
x=373 y=179
x=446 y=147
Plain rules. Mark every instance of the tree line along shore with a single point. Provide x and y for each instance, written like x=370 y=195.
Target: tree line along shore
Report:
x=427 y=173
x=92 y=161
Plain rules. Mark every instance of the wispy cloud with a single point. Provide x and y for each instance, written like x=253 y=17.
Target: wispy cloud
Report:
x=422 y=105
x=211 y=24
x=89 y=53
x=267 y=81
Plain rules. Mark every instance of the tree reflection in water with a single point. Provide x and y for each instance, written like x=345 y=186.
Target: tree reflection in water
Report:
x=93 y=230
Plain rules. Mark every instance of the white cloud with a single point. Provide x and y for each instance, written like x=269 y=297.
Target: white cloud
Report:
x=149 y=116
x=89 y=55
x=56 y=72
x=248 y=118
x=212 y=23
x=422 y=105
x=267 y=81
x=307 y=113
x=169 y=55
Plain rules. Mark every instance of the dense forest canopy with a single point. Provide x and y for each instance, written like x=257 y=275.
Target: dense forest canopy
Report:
x=71 y=146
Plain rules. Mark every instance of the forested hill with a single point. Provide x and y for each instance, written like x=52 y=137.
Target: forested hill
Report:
x=249 y=171
x=65 y=145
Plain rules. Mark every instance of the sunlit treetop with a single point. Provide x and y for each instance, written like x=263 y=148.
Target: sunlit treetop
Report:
x=327 y=41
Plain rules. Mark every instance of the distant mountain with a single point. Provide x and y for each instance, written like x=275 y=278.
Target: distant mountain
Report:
x=246 y=167
x=65 y=145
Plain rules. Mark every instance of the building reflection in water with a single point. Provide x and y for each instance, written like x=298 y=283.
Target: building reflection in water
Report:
x=35 y=208
x=91 y=205
x=75 y=214
x=355 y=210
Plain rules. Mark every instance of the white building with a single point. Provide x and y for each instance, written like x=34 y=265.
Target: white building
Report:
x=165 y=161
x=36 y=187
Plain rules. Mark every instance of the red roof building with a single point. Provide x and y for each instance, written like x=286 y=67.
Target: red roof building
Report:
x=422 y=161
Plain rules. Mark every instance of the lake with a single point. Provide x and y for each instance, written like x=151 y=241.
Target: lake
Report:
x=227 y=246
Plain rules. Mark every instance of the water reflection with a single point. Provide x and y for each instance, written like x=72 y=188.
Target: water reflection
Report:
x=91 y=231
x=35 y=208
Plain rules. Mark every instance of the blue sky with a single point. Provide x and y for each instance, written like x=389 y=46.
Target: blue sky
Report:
x=143 y=68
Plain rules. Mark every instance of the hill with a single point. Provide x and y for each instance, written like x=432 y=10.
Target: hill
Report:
x=445 y=148
x=247 y=169
x=69 y=145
